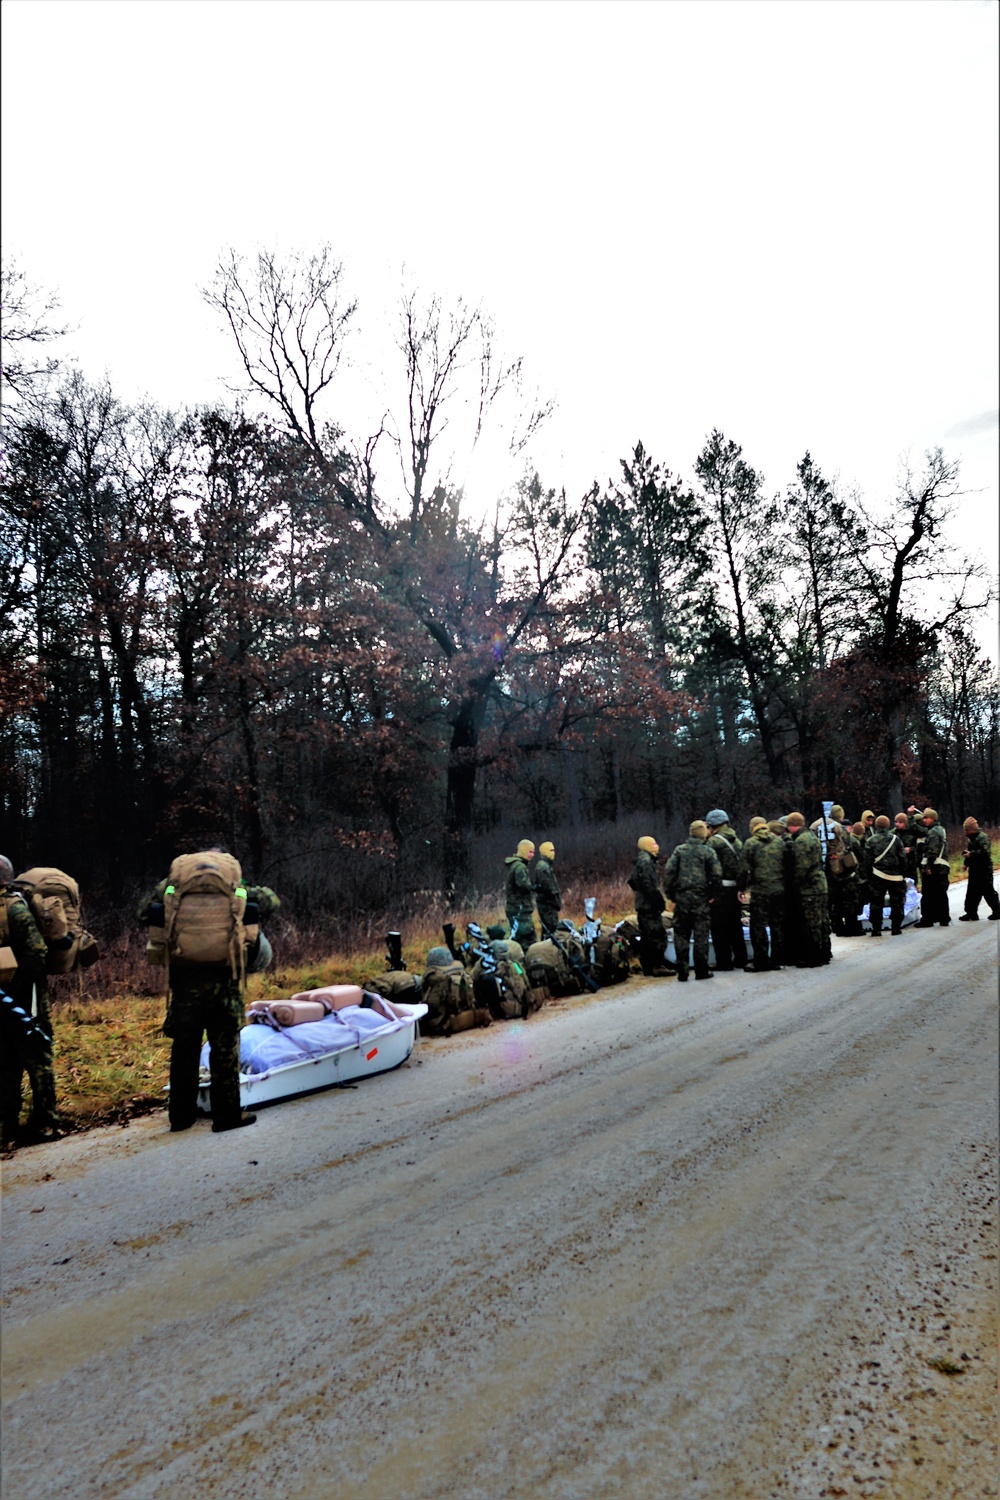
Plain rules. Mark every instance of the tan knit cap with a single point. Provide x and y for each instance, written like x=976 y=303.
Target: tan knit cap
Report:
x=795 y=820
x=756 y=823
x=698 y=829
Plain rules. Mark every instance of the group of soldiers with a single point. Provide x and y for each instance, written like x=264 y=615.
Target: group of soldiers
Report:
x=800 y=884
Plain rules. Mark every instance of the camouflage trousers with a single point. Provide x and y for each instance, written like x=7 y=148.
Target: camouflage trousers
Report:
x=886 y=893
x=934 y=896
x=213 y=1008
x=692 y=918
x=727 y=930
x=767 y=913
x=980 y=888
x=810 y=933
x=34 y=1058
x=524 y=922
x=845 y=901
x=652 y=940
x=548 y=917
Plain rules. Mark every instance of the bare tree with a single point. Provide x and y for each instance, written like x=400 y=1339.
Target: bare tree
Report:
x=26 y=327
x=451 y=357
x=918 y=585
x=290 y=320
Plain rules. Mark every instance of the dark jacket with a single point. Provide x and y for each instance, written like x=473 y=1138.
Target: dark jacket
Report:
x=646 y=884
x=730 y=852
x=546 y=886
x=519 y=897
x=885 y=855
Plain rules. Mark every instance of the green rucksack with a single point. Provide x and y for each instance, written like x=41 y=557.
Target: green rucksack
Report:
x=447 y=991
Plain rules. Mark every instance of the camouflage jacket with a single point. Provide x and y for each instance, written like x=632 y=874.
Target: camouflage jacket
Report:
x=519 y=896
x=935 y=844
x=979 y=855
x=692 y=870
x=23 y=936
x=764 y=861
x=888 y=849
x=646 y=884
x=547 y=886
x=806 y=862
x=730 y=852
x=831 y=838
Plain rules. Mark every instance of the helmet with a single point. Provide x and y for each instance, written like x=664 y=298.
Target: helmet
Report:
x=716 y=818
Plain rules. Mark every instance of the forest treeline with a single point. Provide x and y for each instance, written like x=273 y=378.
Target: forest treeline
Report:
x=239 y=625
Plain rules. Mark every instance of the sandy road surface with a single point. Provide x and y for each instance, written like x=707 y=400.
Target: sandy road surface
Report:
x=710 y=1240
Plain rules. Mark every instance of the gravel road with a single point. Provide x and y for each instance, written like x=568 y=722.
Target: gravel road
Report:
x=714 y=1240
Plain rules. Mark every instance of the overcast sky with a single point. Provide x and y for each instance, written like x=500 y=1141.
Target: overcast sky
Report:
x=778 y=219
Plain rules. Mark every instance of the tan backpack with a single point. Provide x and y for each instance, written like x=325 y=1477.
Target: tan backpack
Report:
x=397 y=984
x=204 y=905
x=53 y=899
x=451 y=1005
x=548 y=968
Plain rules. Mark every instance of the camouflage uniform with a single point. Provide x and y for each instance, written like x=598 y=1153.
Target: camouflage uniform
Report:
x=547 y=895
x=839 y=894
x=649 y=905
x=979 y=863
x=692 y=877
x=934 y=895
x=852 y=893
x=20 y=1054
x=726 y=917
x=209 y=1003
x=918 y=837
x=519 y=899
x=810 y=935
x=886 y=878
x=764 y=862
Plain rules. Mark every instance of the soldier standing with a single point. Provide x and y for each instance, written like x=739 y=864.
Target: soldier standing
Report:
x=206 y=999
x=24 y=1053
x=936 y=870
x=519 y=895
x=886 y=859
x=852 y=888
x=979 y=863
x=764 y=865
x=811 y=932
x=918 y=837
x=547 y=895
x=904 y=832
x=726 y=919
x=693 y=877
x=649 y=905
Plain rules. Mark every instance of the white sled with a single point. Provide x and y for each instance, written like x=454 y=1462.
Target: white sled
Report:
x=378 y=1052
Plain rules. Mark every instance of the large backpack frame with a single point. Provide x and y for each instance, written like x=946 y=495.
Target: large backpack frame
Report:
x=53 y=899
